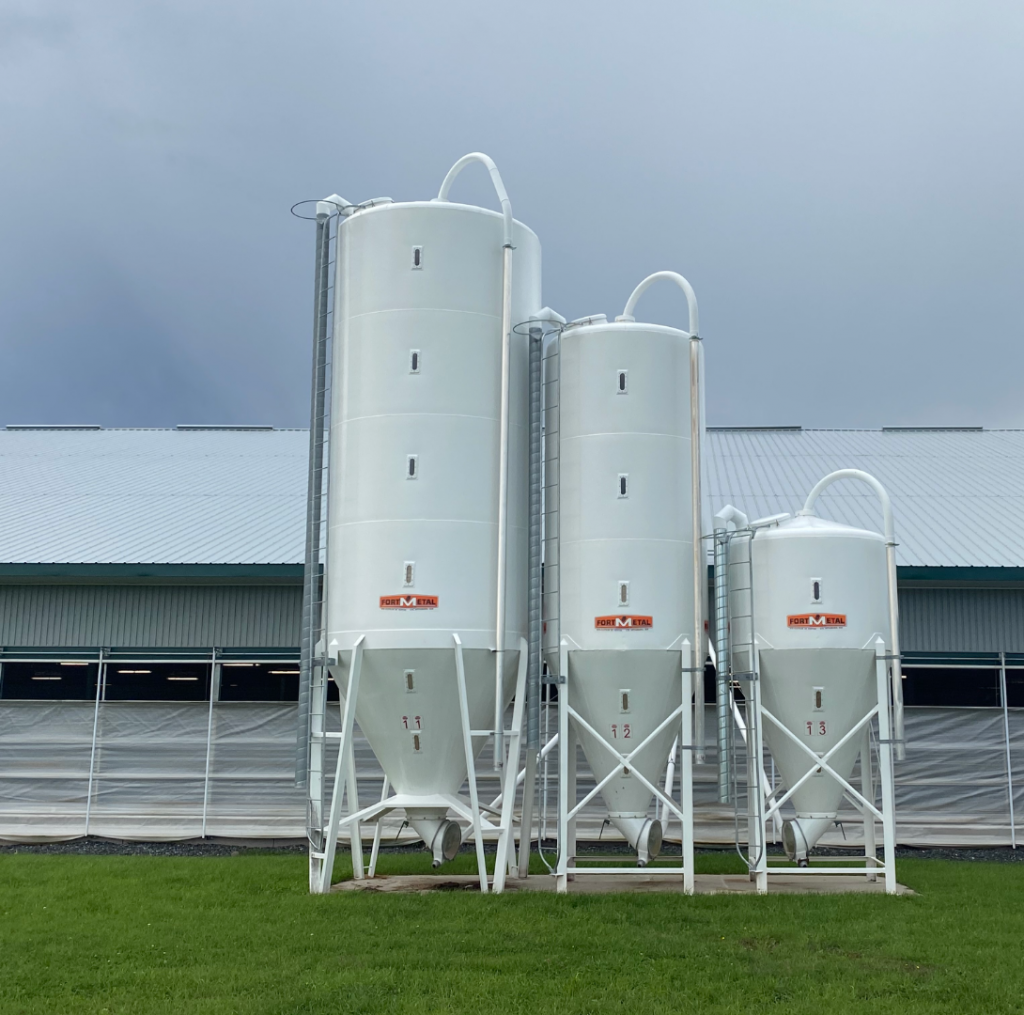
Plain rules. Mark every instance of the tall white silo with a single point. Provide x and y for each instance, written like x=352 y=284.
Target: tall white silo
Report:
x=821 y=649
x=623 y=433
x=427 y=502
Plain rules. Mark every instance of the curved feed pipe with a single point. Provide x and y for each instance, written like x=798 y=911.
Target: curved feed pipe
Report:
x=890 y=558
x=696 y=428
x=488 y=163
x=506 y=354
x=691 y=299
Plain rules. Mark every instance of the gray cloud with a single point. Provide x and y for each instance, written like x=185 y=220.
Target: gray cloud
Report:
x=840 y=185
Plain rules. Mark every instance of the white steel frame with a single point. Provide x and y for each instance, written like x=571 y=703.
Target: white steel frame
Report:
x=766 y=804
x=566 y=868
x=345 y=784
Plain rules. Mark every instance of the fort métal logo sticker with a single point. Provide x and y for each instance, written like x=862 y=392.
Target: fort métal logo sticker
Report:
x=816 y=621
x=624 y=622
x=408 y=602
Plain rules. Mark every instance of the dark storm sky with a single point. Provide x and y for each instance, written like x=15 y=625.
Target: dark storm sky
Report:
x=841 y=182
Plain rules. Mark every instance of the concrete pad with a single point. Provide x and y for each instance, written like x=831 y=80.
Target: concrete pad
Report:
x=645 y=882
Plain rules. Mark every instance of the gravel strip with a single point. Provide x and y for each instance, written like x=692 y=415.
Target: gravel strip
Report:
x=114 y=847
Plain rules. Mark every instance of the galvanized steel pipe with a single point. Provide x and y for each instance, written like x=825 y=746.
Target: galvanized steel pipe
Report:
x=314 y=492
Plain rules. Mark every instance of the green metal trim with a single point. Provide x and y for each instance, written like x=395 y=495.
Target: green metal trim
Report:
x=961 y=574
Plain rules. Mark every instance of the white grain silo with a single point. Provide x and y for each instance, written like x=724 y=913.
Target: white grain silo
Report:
x=814 y=646
x=427 y=498
x=623 y=563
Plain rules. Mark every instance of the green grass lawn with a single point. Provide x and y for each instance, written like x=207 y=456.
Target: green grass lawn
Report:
x=133 y=934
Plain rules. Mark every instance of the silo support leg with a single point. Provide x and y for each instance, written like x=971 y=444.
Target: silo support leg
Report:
x=506 y=841
x=467 y=743
x=343 y=772
x=378 y=829
x=355 y=837
x=686 y=779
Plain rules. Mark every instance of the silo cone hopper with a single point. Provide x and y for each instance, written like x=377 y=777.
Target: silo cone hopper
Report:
x=843 y=680
x=628 y=715
x=427 y=763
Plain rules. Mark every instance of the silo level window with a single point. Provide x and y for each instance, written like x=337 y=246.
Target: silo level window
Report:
x=623 y=484
x=412 y=467
x=622 y=382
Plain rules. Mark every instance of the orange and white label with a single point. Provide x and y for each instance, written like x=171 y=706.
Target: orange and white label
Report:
x=816 y=620
x=624 y=622
x=408 y=602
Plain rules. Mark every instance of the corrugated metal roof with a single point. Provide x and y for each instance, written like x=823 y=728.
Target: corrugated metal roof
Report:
x=152 y=496
x=958 y=495
x=238 y=497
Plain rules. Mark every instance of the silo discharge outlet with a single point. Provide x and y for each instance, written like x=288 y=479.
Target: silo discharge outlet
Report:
x=643 y=834
x=801 y=835
x=440 y=835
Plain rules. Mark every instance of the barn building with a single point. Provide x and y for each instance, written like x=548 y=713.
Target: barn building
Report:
x=150 y=604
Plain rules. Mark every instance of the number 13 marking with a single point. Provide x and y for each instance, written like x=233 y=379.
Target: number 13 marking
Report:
x=821 y=730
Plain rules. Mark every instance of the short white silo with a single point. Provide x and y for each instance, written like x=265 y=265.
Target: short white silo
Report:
x=427 y=502
x=620 y=610
x=817 y=659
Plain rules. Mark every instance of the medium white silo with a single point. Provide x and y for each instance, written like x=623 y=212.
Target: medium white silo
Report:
x=818 y=657
x=621 y=613
x=427 y=503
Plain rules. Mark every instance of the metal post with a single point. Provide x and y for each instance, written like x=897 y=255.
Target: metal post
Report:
x=467 y=744
x=375 y=851
x=505 y=852
x=896 y=673
x=562 y=869
x=867 y=787
x=697 y=534
x=686 y=733
x=885 y=753
x=499 y=633
x=214 y=694
x=100 y=678
x=355 y=838
x=1006 y=737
